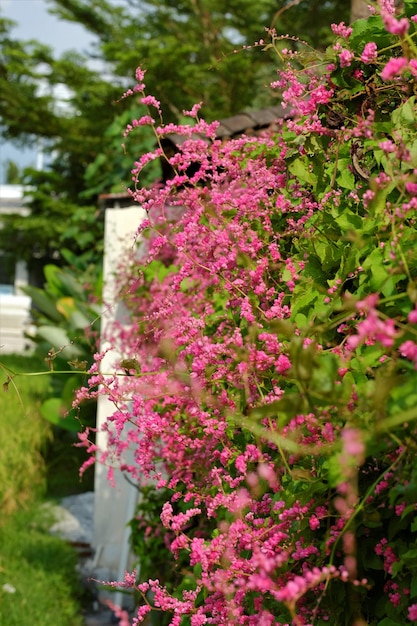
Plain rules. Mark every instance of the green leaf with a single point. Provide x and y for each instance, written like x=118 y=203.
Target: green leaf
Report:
x=300 y=168
x=303 y=302
x=387 y=621
x=345 y=177
x=376 y=266
x=349 y=221
x=58 y=340
x=413 y=586
x=366 y=30
x=409 y=557
x=43 y=302
x=54 y=410
x=405 y=115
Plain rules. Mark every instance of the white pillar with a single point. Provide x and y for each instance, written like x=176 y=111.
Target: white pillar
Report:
x=114 y=506
x=21 y=277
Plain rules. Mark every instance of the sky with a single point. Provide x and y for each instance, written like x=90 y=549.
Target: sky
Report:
x=34 y=22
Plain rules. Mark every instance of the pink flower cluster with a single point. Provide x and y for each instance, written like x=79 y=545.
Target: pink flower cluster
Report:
x=372 y=329
x=241 y=402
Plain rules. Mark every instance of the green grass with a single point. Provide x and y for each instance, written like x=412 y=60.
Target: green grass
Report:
x=41 y=569
x=36 y=460
x=24 y=433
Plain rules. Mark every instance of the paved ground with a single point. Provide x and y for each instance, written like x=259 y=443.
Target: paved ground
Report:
x=74 y=523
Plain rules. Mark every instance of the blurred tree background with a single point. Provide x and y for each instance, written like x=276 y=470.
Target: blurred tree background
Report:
x=187 y=47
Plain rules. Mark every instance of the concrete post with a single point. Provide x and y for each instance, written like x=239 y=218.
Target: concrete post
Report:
x=114 y=506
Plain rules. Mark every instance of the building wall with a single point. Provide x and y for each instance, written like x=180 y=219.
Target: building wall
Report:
x=14 y=305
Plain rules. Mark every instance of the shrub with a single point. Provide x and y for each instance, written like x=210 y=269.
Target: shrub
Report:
x=272 y=349
x=67 y=316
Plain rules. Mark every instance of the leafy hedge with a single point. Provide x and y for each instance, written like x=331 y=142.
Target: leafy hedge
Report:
x=272 y=396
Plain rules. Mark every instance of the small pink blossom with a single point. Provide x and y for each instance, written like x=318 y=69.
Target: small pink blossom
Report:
x=194 y=111
x=399 y=509
x=373 y=329
x=394 y=26
x=140 y=74
x=282 y=364
x=388 y=6
x=394 y=67
x=119 y=613
x=151 y=101
x=341 y=30
x=346 y=57
x=370 y=53
x=412 y=613
x=408 y=350
x=167 y=514
x=411 y=188
x=412 y=66
x=387 y=146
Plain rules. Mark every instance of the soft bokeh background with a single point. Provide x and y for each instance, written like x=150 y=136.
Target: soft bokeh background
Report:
x=34 y=22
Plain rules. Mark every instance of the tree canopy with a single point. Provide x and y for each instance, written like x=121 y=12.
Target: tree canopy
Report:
x=189 y=49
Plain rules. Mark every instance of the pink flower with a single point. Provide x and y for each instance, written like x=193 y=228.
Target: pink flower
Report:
x=399 y=509
x=151 y=101
x=373 y=329
x=370 y=53
x=167 y=514
x=194 y=111
x=394 y=26
x=140 y=74
x=314 y=522
x=346 y=57
x=408 y=349
x=411 y=188
x=352 y=442
x=246 y=310
x=394 y=67
x=282 y=363
x=341 y=30
x=387 y=146
x=412 y=613
x=412 y=66
x=241 y=463
x=118 y=612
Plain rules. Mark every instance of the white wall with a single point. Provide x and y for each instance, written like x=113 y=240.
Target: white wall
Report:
x=14 y=321
x=14 y=306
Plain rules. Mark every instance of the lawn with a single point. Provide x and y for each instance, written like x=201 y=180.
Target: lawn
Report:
x=38 y=582
x=25 y=434
x=38 y=459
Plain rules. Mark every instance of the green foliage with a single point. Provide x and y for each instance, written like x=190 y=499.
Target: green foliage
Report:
x=337 y=422
x=188 y=49
x=13 y=174
x=67 y=315
x=39 y=458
